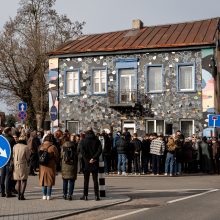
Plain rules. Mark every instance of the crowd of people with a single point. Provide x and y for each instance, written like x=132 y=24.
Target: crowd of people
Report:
x=123 y=154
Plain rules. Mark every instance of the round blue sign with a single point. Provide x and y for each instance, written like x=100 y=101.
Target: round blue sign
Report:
x=53 y=113
x=22 y=115
x=5 y=151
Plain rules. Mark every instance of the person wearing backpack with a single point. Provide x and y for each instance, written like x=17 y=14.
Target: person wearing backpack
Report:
x=69 y=161
x=48 y=157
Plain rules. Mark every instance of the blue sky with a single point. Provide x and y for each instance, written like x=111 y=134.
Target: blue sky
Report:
x=112 y=15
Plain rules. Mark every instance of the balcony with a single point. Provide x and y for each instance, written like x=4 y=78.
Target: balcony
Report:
x=130 y=101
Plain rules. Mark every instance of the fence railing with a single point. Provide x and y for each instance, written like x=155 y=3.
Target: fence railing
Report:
x=128 y=97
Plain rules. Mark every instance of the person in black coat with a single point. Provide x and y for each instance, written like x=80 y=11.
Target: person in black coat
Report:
x=122 y=149
x=145 y=156
x=106 y=152
x=137 y=146
x=91 y=150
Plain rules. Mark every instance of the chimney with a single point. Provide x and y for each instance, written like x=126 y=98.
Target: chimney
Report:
x=137 y=24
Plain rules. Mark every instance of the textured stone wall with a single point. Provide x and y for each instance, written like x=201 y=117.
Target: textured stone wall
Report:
x=93 y=110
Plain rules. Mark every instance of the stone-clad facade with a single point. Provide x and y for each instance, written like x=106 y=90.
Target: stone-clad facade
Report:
x=169 y=105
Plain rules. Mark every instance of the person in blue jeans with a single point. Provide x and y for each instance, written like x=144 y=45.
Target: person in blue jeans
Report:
x=122 y=148
x=47 y=173
x=170 y=161
x=69 y=167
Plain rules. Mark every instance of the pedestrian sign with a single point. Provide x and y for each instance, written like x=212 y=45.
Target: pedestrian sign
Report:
x=5 y=151
x=22 y=106
x=213 y=120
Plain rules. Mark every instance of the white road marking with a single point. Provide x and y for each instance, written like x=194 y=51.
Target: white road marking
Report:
x=189 y=197
x=171 y=190
x=127 y=214
x=210 y=190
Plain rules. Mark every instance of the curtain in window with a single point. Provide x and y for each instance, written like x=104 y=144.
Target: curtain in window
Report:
x=127 y=85
x=99 y=81
x=185 y=77
x=187 y=128
x=154 y=79
x=160 y=126
x=150 y=127
x=69 y=82
x=72 y=83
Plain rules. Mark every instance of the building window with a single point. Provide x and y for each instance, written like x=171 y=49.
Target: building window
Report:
x=155 y=126
x=186 y=78
x=154 y=79
x=187 y=127
x=130 y=125
x=99 y=81
x=126 y=80
x=73 y=126
x=72 y=83
x=127 y=85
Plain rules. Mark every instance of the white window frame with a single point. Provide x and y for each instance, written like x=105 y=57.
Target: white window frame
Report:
x=148 y=67
x=130 y=124
x=130 y=92
x=155 y=125
x=100 y=81
x=193 y=124
x=73 y=73
x=193 y=77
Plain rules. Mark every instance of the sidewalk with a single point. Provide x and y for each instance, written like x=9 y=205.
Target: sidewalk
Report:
x=36 y=208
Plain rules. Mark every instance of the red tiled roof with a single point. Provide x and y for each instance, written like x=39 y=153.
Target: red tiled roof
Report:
x=173 y=35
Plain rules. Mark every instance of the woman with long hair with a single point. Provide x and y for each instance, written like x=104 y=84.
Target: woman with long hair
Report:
x=47 y=172
x=169 y=164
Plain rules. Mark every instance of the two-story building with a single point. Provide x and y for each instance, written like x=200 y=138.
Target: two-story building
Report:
x=148 y=79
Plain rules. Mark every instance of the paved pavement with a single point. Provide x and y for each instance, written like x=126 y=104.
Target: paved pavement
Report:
x=36 y=208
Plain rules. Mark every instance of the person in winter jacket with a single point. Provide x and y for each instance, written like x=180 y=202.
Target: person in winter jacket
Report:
x=157 y=148
x=47 y=173
x=21 y=156
x=179 y=141
x=69 y=162
x=205 y=156
x=106 y=152
x=122 y=148
x=145 y=156
x=33 y=144
x=91 y=150
x=137 y=146
x=114 y=161
x=170 y=161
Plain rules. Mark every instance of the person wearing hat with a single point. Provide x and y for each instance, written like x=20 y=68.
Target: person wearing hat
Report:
x=21 y=155
x=91 y=150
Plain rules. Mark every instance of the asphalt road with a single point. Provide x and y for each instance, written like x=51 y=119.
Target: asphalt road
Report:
x=159 y=197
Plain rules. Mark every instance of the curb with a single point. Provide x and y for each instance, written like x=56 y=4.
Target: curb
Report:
x=128 y=199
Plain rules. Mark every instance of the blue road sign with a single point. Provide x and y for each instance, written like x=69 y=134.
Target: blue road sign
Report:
x=214 y=120
x=22 y=107
x=22 y=115
x=53 y=113
x=5 y=151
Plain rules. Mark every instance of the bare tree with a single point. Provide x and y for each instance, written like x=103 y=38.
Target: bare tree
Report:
x=24 y=44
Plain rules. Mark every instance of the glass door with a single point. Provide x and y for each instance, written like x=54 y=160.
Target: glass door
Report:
x=127 y=86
